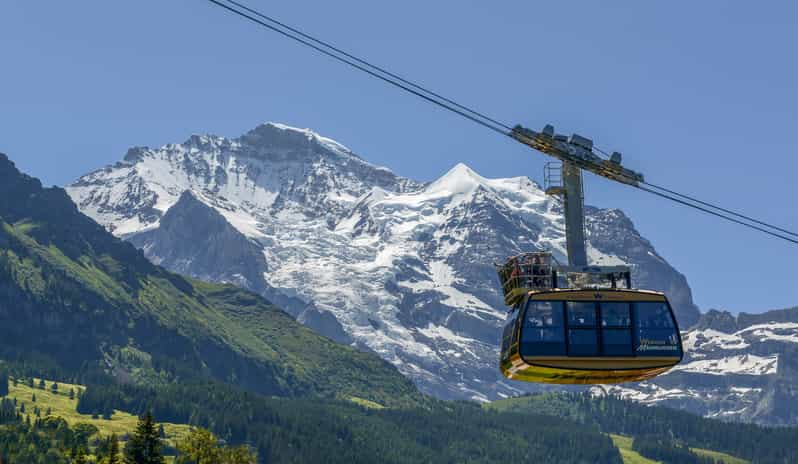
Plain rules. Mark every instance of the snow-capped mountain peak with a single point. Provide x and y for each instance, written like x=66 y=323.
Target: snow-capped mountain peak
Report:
x=462 y=180
x=400 y=267
x=311 y=135
x=274 y=168
x=271 y=135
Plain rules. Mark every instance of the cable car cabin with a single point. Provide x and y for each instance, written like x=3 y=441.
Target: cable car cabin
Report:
x=590 y=336
x=579 y=325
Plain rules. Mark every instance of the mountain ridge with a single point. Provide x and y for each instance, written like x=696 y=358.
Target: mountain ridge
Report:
x=404 y=267
x=725 y=321
x=741 y=368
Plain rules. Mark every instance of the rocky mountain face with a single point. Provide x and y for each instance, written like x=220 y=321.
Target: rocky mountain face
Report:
x=395 y=266
x=194 y=239
x=742 y=367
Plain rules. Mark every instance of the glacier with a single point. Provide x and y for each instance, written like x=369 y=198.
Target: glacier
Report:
x=389 y=264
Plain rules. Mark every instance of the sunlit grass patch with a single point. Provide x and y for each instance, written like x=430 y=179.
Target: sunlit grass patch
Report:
x=59 y=404
x=366 y=403
x=630 y=456
x=718 y=456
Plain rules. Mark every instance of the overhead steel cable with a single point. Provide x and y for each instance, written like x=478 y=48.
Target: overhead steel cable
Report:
x=475 y=116
x=709 y=205
x=715 y=213
x=368 y=64
x=719 y=208
x=306 y=42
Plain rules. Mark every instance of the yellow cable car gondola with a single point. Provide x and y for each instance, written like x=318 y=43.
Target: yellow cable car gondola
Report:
x=585 y=335
x=581 y=324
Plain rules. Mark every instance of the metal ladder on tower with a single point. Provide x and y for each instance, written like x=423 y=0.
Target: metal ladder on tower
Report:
x=564 y=179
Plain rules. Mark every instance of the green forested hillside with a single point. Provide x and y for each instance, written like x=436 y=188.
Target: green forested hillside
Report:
x=312 y=430
x=659 y=430
x=75 y=297
x=290 y=430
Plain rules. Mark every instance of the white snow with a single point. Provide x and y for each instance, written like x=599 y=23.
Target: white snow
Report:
x=644 y=393
x=744 y=364
x=444 y=333
x=776 y=331
x=330 y=143
x=709 y=339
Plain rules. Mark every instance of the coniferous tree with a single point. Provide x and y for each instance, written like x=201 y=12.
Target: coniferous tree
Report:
x=8 y=413
x=42 y=384
x=3 y=383
x=103 y=445
x=113 y=450
x=144 y=446
x=30 y=382
x=54 y=387
x=79 y=455
x=71 y=393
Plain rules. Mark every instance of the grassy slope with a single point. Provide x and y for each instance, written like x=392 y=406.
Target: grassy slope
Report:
x=718 y=456
x=630 y=456
x=219 y=318
x=332 y=369
x=60 y=405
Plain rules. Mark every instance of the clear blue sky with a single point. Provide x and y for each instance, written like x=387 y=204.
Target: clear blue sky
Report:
x=700 y=96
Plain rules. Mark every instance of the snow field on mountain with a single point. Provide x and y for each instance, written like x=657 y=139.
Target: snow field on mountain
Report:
x=406 y=268
x=747 y=364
